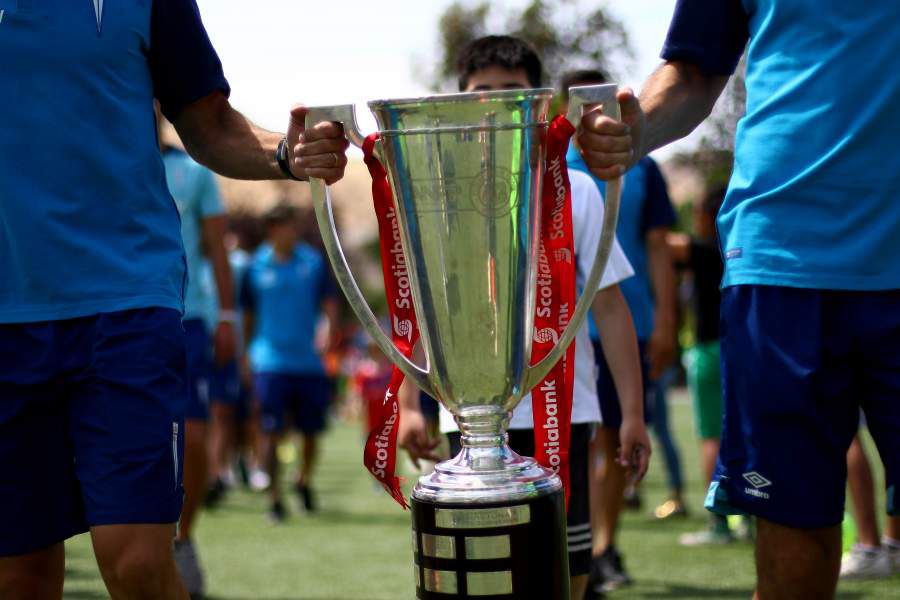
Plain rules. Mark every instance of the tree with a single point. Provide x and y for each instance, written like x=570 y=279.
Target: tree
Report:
x=564 y=34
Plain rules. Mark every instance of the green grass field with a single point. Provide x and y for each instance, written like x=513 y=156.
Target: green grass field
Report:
x=358 y=546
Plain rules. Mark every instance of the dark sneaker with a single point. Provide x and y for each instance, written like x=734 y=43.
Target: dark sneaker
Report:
x=307 y=500
x=189 y=568
x=277 y=513
x=632 y=499
x=215 y=493
x=608 y=572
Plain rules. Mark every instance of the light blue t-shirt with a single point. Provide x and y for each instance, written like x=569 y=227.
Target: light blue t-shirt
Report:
x=87 y=224
x=285 y=299
x=814 y=200
x=645 y=205
x=197 y=197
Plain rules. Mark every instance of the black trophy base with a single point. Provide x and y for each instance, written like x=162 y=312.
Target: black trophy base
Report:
x=500 y=551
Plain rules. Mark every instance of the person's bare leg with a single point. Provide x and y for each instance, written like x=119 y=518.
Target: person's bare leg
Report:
x=310 y=452
x=796 y=564
x=34 y=576
x=578 y=586
x=609 y=488
x=194 y=475
x=221 y=438
x=268 y=453
x=709 y=454
x=136 y=562
x=892 y=530
x=862 y=495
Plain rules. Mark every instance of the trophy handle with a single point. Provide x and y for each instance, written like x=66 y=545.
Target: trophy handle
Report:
x=580 y=96
x=321 y=197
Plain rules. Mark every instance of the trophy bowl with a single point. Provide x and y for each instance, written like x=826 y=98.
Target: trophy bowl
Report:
x=466 y=172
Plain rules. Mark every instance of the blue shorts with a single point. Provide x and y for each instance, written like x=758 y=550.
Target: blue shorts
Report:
x=610 y=409
x=91 y=425
x=226 y=387
x=199 y=366
x=305 y=398
x=430 y=408
x=797 y=365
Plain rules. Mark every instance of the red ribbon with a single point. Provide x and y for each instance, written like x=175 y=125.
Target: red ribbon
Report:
x=551 y=399
x=380 y=455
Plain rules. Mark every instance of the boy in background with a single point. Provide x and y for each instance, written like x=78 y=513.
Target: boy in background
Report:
x=498 y=63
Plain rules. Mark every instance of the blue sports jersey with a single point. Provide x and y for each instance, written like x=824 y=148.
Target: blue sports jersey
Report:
x=87 y=225
x=285 y=299
x=196 y=195
x=645 y=205
x=813 y=199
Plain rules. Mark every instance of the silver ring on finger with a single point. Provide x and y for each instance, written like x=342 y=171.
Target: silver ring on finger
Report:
x=337 y=159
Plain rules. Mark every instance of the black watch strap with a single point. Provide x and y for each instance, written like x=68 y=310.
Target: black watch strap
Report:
x=281 y=157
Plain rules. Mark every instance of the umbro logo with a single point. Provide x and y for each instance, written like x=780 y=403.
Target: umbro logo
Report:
x=756 y=480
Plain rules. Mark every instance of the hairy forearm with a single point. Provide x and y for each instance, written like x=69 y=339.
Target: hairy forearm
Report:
x=675 y=100
x=221 y=138
x=619 y=341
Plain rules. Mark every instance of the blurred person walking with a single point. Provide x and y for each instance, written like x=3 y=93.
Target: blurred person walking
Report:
x=285 y=291
x=196 y=195
x=645 y=217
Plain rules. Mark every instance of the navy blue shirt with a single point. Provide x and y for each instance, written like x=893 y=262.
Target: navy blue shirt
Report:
x=813 y=197
x=645 y=205
x=87 y=224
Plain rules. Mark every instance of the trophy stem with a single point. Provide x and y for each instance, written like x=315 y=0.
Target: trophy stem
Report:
x=483 y=429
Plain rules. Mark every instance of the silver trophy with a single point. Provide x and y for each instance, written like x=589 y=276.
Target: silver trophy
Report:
x=466 y=171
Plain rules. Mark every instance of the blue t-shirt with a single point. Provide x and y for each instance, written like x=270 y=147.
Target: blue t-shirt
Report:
x=645 y=205
x=196 y=195
x=285 y=299
x=813 y=201
x=87 y=224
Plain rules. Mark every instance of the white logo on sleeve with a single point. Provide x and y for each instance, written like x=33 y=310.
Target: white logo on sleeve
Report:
x=758 y=482
x=98 y=12
x=2 y=12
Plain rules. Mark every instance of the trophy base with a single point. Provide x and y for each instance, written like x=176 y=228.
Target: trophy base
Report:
x=491 y=551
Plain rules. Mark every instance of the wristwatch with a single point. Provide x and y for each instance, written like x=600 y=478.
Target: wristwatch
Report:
x=281 y=157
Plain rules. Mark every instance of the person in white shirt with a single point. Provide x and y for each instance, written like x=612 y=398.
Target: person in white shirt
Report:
x=502 y=62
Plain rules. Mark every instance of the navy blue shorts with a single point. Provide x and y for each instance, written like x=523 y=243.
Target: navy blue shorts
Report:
x=226 y=387
x=431 y=410
x=199 y=367
x=91 y=425
x=304 y=398
x=610 y=409
x=797 y=365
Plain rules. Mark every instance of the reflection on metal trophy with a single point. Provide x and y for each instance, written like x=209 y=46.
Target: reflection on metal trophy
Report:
x=466 y=171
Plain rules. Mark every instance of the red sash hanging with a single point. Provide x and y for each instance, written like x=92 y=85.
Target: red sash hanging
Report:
x=551 y=399
x=380 y=455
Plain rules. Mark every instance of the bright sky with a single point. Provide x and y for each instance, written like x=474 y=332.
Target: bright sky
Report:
x=278 y=52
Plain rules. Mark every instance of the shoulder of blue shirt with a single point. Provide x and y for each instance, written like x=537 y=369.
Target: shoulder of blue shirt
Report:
x=183 y=64
x=710 y=34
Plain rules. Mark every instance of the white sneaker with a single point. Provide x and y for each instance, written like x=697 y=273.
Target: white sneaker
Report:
x=259 y=480
x=861 y=562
